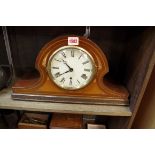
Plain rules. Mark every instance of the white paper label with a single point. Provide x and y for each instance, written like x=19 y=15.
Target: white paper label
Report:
x=73 y=40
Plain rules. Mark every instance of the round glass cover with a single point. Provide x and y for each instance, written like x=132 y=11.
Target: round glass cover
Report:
x=71 y=67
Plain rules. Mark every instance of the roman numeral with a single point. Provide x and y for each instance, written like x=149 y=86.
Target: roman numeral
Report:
x=63 y=54
x=84 y=76
x=70 y=82
x=87 y=70
x=80 y=56
x=55 y=67
x=78 y=81
x=72 y=53
x=85 y=62
x=62 y=80
x=57 y=74
x=57 y=60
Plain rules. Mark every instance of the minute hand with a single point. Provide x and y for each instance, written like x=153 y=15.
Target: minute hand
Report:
x=70 y=69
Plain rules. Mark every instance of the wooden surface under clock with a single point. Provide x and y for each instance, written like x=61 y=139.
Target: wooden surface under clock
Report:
x=66 y=121
x=98 y=91
x=6 y=102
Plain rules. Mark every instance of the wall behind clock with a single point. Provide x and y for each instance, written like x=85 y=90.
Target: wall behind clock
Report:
x=26 y=42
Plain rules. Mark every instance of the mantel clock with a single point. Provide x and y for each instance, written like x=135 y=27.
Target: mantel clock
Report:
x=72 y=70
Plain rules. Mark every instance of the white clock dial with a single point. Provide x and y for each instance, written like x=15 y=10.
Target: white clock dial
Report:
x=71 y=67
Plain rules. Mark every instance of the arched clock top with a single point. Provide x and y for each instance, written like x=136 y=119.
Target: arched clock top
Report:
x=90 y=49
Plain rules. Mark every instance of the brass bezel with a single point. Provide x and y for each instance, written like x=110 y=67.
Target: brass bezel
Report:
x=76 y=47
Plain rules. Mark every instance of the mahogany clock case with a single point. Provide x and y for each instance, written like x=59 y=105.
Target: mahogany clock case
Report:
x=26 y=43
x=98 y=91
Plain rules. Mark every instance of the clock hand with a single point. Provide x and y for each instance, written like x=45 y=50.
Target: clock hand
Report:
x=64 y=72
x=70 y=69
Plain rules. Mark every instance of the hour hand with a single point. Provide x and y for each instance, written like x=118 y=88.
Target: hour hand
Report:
x=59 y=74
x=64 y=72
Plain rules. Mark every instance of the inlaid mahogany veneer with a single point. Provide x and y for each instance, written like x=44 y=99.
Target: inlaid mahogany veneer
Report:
x=42 y=88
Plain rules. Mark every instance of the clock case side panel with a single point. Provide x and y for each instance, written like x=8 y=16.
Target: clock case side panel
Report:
x=98 y=89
